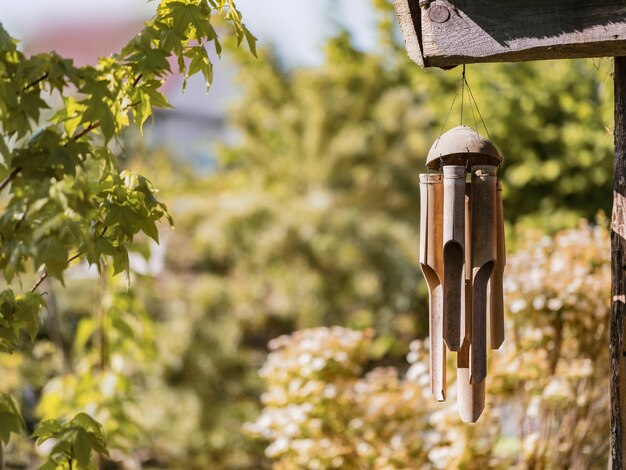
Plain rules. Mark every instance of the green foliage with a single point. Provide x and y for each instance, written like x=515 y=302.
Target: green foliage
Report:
x=547 y=400
x=10 y=418
x=74 y=442
x=553 y=122
x=18 y=314
x=108 y=352
x=312 y=218
x=65 y=197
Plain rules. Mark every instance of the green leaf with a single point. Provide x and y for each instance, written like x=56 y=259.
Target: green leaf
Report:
x=120 y=260
x=150 y=229
x=200 y=62
x=76 y=440
x=10 y=418
x=47 y=429
x=251 y=39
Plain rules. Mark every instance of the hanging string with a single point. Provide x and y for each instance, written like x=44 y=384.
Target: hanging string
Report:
x=459 y=86
x=473 y=116
x=471 y=95
x=463 y=83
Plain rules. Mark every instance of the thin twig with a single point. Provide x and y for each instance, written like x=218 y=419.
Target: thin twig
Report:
x=19 y=222
x=132 y=105
x=39 y=80
x=10 y=177
x=86 y=130
x=82 y=133
x=16 y=171
x=44 y=274
x=136 y=82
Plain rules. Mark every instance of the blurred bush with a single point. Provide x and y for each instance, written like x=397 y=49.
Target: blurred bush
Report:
x=547 y=386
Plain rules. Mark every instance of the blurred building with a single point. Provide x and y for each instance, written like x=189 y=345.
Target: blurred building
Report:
x=197 y=120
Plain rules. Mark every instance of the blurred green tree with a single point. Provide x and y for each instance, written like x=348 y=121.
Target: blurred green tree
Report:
x=312 y=217
x=552 y=121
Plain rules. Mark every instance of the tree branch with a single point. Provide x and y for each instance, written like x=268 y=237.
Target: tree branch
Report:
x=44 y=274
x=136 y=82
x=86 y=130
x=5 y=182
x=39 y=80
x=16 y=171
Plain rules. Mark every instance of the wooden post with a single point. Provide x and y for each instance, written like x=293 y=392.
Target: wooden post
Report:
x=618 y=275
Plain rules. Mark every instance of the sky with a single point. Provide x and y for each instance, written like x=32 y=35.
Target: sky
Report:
x=296 y=27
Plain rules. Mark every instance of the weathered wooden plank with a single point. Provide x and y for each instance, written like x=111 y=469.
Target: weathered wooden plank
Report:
x=469 y=31
x=617 y=345
x=408 y=13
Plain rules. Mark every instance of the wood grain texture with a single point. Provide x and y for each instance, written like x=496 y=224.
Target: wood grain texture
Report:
x=496 y=288
x=483 y=210
x=453 y=254
x=409 y=19
x=467 y=318
x=618 y=275
x=470 y=397
x=431 y=263
x=516 y=30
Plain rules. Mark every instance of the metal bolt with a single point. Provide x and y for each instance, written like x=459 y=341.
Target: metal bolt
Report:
x=439 y=14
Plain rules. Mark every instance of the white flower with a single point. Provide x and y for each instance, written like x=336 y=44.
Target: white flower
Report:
x=517 y=305
x=277 y=447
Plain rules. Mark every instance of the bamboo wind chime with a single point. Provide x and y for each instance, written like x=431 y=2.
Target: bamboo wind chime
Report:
x=462 y=257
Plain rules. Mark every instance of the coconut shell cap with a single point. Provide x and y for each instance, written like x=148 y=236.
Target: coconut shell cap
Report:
x=462 y=146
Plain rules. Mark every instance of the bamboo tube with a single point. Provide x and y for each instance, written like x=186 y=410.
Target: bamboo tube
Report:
x=467 y=317
x=496 y=291
x=470 y=397
x=431 y=263
x=483 y=201
x=453 y=254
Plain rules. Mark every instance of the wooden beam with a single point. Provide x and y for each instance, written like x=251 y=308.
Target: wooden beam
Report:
x=452 y=32
x=617 y=335
x=409 y=18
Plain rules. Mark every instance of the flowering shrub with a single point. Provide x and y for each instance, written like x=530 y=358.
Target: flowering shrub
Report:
x=321 y=413
x=547 y=402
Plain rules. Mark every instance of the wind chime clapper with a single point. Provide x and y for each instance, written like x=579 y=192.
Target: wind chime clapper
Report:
x=462 y=257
